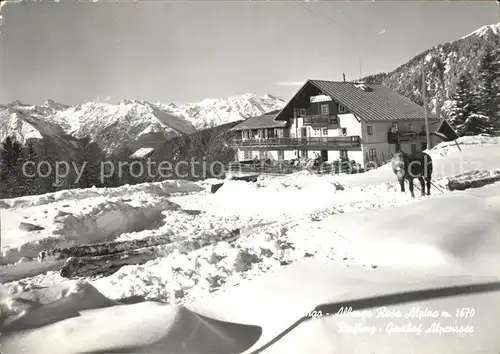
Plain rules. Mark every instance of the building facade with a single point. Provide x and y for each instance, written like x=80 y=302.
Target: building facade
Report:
x=338 y=120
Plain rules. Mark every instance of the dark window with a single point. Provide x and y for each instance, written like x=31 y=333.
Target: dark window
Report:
x=395 y=126
x=344 y=131
x=325 y=109
x=342 y=108
x=300 y=111
x=324 y=131
x=343 y=154
x=281 y=155
x=372 y=154
x=369 y=130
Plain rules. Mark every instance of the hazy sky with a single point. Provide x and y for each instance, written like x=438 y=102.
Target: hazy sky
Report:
x=183 y=52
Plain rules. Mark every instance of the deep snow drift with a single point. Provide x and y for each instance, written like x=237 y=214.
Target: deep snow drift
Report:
x=361 y=235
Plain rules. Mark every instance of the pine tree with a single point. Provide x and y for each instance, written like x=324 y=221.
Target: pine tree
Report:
x=461 y=101
x=45 y=177
x=488 y=91
x=12 y=177
x=92 y=161
x=29 y=170
x=488 y=95
x=464 y=115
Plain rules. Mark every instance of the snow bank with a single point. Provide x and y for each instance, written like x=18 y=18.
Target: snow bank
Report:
x=465 y=142
x=110 y=219
x=455 y=231
x=180 y=277
x=24 y=311
x=168 y=328
x=254 y=313
x=79 y=222
x=297 y=196
x=281 y=298
x=160 y=189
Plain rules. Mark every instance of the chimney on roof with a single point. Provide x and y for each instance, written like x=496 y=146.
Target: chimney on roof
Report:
x=343 y=75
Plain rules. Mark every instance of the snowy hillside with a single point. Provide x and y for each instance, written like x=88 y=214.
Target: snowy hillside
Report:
x=24 y=122
x=110 y=126
x=213 y=112
x=443 y=65
x=20 y=120
x=113 y=126
x=486 y=31
x=244 y=260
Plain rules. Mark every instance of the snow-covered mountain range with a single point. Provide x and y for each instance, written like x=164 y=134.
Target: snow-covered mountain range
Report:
x=113 y=126
x=212 y=112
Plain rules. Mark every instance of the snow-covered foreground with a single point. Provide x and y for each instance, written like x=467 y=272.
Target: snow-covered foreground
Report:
x=316 y=238
x=457 y=253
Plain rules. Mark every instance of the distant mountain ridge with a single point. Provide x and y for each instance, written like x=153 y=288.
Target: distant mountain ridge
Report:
x=213 y=112
x=443 y=65
x=114 y=126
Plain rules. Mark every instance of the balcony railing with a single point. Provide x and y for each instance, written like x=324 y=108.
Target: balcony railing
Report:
x=276 y=169
x=320 y=119
x=401 y=137
x=282 y=167
x=307 y=142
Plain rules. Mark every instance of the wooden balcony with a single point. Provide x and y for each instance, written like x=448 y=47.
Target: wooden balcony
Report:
x=300 y=143
x=278 y=169
x=283 y=167
x=402 y=137
x=320 y=119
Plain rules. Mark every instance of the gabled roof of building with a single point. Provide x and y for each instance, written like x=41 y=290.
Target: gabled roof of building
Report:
x=261 y=122
x=377 y=103
x=443 y=129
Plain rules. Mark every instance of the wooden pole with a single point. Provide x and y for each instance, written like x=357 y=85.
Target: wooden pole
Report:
x=427 y=133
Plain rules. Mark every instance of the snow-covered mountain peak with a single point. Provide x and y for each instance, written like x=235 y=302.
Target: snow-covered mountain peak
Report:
x=486 y=31
x=16 y=104
x=215 y=111
x=114 y=125
x=268 y=96
x=51 y=104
